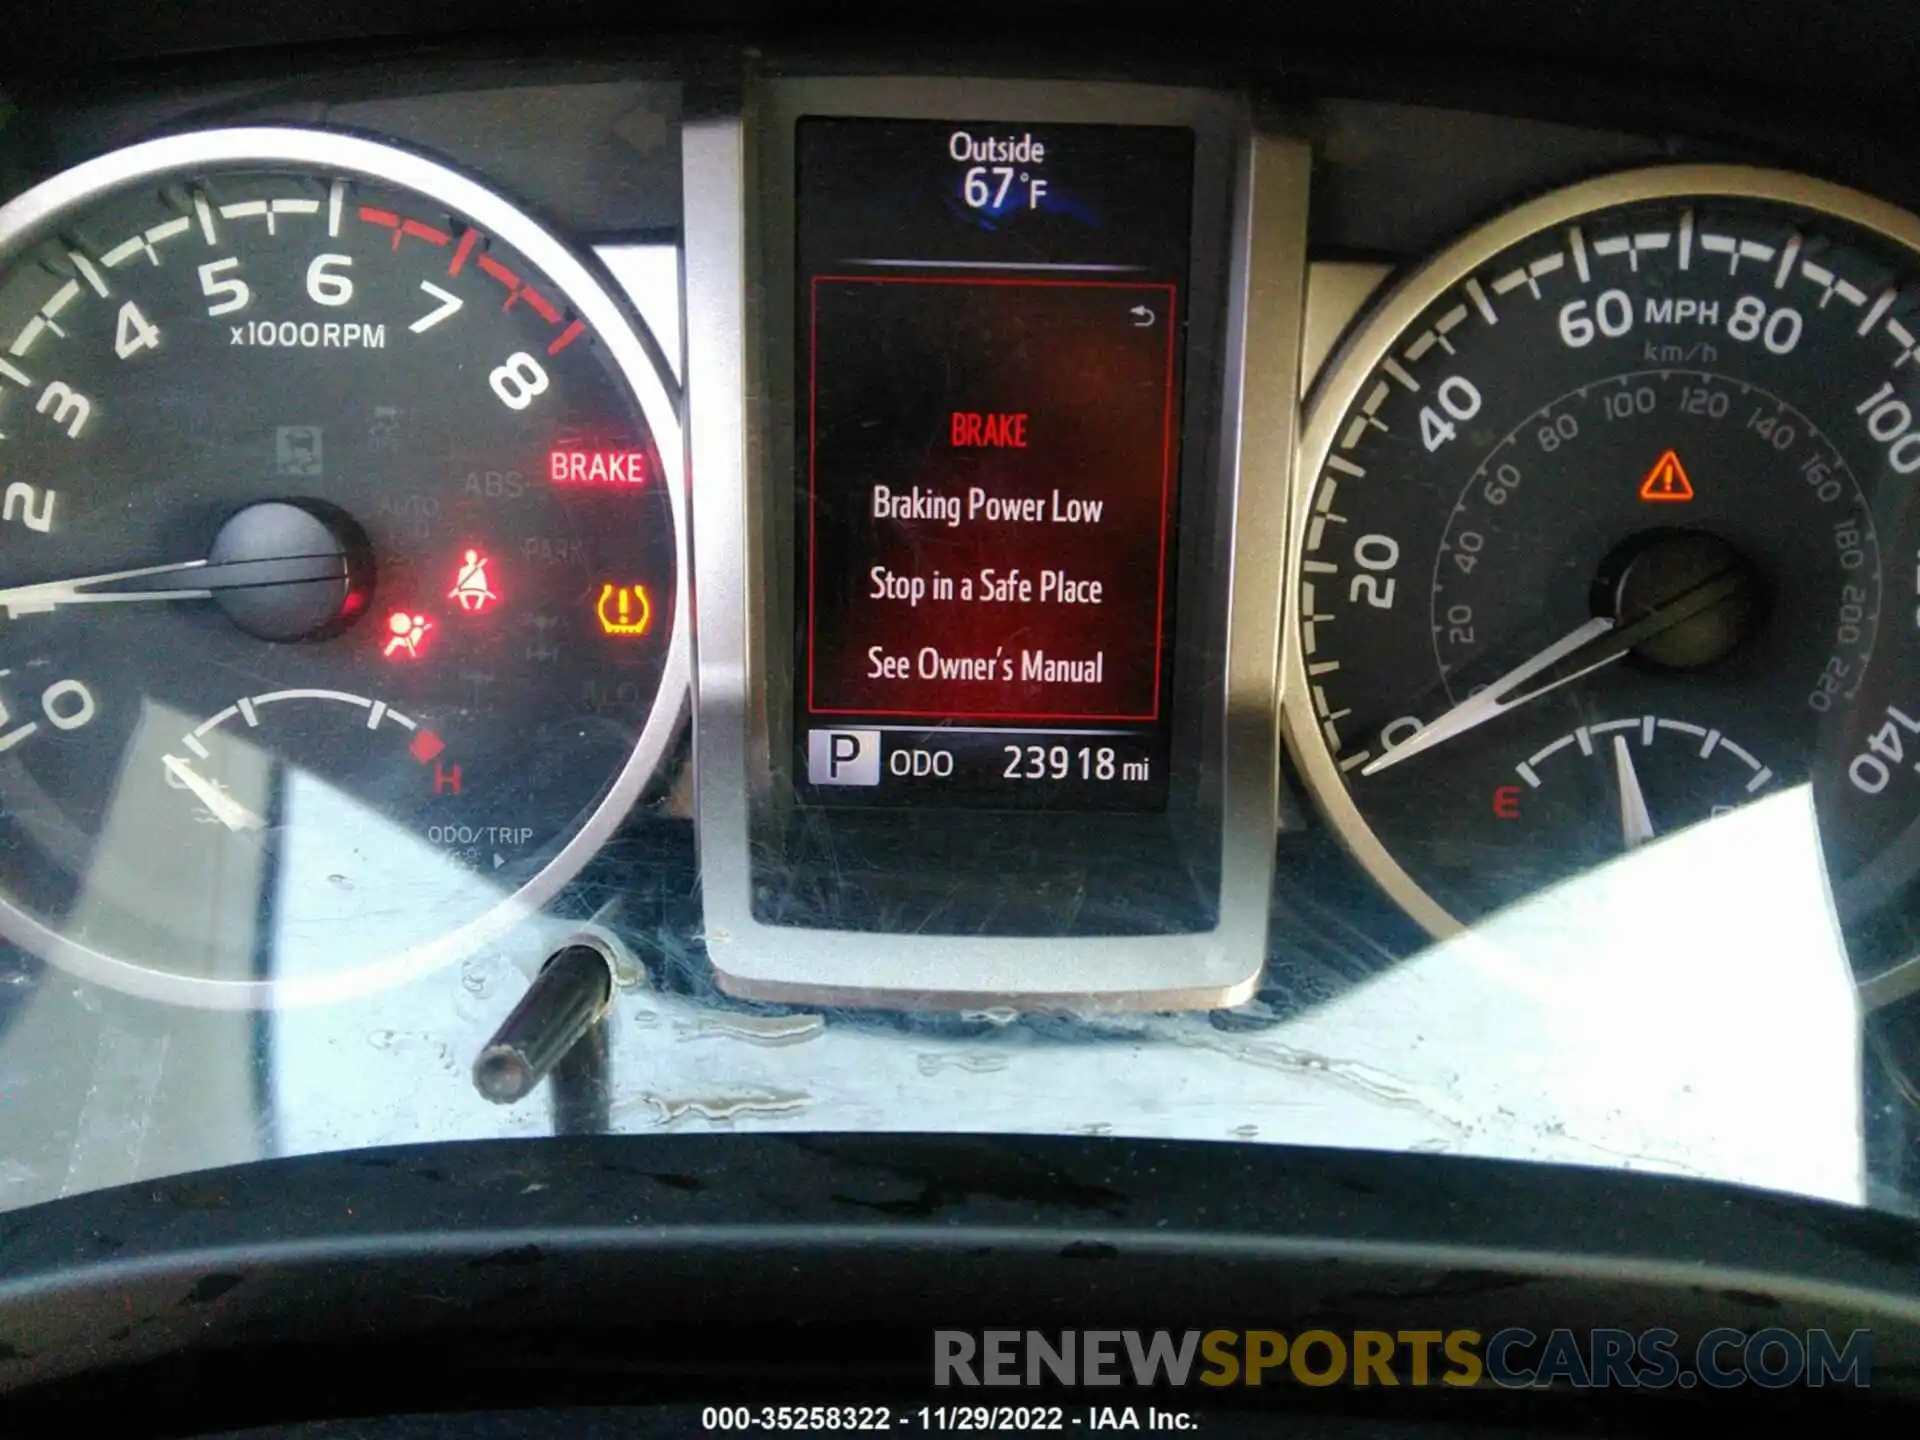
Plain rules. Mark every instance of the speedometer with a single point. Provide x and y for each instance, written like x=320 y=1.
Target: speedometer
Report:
x=342 y=596
x=1587 y=548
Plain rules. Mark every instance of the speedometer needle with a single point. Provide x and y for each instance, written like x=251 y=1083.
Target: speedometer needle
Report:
x=1636 y=824
x=185 y=580
x=1591 y=647
x=1499 y=697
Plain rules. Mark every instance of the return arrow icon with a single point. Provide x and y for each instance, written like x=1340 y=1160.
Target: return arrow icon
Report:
x=1142 y=317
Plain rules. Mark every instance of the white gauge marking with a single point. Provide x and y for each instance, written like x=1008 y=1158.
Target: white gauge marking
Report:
x=1481 y=303
x=274 y=697
x=1549 y=750
x=1787 y=257
x=1577 y=243
x=89 y=273
x=126 y=250
x=167 y=230
x=1880 y=307
x=449 y=305
x=224 y=808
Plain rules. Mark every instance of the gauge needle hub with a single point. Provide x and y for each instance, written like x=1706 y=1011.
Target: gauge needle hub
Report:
x=1636 y=823
x=1591 y=647
x=227 y=810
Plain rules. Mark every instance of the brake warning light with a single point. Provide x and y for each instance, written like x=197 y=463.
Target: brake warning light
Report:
x=597 y=467
x=1667 y=482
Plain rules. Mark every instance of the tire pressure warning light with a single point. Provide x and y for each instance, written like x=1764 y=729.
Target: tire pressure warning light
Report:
x=624 y=609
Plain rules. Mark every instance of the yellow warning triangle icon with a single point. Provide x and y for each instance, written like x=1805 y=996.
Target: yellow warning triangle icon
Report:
x=1667 y=482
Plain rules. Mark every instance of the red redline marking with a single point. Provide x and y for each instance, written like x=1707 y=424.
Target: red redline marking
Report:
x=386 y=219
x=541 y=305
x=467 y=242
x=572 y=333
x=422 y=231
x=501 y=273
x=1166 y=478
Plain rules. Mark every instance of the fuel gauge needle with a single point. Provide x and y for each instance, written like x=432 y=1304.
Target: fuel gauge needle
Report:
x=1636 y=824
x=227 y=810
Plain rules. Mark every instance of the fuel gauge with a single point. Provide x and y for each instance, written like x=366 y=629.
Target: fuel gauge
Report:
x=1640 y=777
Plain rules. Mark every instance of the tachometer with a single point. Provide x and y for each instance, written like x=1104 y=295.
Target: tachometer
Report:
x=342 y=596
x=1587 y=546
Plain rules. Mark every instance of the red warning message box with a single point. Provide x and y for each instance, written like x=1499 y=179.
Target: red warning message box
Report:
x=991 y=473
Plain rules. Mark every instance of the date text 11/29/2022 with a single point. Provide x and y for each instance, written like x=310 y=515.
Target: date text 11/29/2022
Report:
x=935 y=1418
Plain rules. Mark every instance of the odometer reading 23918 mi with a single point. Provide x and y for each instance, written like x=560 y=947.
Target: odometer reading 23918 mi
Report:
x=341 y=593
x=1588 y=549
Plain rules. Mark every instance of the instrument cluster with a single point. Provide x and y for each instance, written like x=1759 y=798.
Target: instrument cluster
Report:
x=923 y=551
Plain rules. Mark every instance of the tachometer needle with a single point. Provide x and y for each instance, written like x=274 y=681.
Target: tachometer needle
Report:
x=1636 y=824
x=44 y=598
x=185 y=580
x=227 y=810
